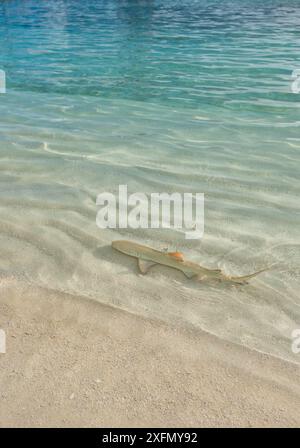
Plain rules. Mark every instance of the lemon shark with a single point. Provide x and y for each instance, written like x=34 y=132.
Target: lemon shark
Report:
x=148 y=257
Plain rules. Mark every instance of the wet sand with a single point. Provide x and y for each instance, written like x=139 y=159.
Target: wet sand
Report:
x=75 y=362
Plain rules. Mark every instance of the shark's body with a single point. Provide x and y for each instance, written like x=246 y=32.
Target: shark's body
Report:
x=148 y=257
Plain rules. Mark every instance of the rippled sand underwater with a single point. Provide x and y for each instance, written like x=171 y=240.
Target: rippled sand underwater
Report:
x=161 y=96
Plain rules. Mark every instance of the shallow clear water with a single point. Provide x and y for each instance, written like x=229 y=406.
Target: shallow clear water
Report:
x=187 y=96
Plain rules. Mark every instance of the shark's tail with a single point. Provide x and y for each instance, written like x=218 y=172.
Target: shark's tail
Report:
x=245 y=278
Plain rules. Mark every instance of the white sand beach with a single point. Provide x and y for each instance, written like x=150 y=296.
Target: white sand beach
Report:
x=73 y=362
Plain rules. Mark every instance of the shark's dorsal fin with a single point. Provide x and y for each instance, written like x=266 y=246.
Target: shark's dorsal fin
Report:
x=144 y=265
x=177 y=255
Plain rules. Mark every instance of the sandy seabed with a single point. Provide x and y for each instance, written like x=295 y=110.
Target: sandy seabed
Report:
x=74 y=362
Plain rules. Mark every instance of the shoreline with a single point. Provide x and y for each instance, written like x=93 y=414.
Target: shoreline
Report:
x=73 y=362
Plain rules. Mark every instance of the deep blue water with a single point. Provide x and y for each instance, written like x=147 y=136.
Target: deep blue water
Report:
x=186 y=53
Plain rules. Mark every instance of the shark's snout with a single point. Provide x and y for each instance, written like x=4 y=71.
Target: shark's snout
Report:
x=119 y=245
x=115 y=244
x=122 y=246
x=127 y=247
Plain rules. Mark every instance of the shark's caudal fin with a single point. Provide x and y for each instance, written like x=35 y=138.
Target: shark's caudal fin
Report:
x=245 y=278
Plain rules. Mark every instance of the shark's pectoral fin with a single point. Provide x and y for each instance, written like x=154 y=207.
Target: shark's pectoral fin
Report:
x=144 y=266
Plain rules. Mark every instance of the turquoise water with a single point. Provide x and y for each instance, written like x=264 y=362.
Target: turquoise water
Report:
x=186 y=96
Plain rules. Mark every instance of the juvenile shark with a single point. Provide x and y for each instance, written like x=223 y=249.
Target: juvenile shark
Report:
x=147 y=257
